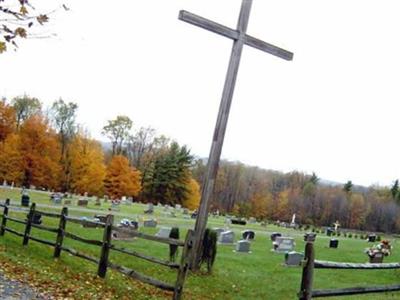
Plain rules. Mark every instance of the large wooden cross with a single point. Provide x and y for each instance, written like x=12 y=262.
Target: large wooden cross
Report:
x=239 y=38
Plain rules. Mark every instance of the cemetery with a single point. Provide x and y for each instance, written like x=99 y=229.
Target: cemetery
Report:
x=247 y=261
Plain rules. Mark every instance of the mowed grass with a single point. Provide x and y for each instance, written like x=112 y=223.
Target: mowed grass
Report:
x=258 y=275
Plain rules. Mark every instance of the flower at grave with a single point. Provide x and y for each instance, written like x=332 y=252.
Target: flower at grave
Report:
x=383 y=247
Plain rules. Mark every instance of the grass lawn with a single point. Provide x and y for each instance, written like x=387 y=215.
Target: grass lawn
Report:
x=258 y=275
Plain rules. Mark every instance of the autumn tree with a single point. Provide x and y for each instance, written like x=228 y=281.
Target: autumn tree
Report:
x=19 y=20
x=11 y=160
x=121 y=179
x=118 y=131
x=192 y=200
x=7 y=120
x=25 y=107
x=87 y=168
x=40 y=150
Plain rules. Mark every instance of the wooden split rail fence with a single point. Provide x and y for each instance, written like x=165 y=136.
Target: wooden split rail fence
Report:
x=105 y=244
x=309 y=264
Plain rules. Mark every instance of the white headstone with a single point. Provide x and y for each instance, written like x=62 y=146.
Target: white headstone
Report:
x=284 y=244
x=164 y=232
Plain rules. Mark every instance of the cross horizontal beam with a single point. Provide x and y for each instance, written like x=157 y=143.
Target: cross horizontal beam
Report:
x=234 y=34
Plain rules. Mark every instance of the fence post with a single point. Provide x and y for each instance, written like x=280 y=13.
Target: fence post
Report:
x=60 y=233
x=105 y=249
x=29 y=224
x=4 y=220
x=308 y=273
x=184 y=266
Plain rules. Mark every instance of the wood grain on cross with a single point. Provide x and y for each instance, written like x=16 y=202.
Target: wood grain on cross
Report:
x=239 y=38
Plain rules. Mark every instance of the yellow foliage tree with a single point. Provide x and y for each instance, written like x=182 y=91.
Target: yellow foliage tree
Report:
x=193 y=200
x=260 y=204
x=87 y=168
x=122 y=179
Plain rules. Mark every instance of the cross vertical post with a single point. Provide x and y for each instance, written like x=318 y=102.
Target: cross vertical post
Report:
x=239 y=38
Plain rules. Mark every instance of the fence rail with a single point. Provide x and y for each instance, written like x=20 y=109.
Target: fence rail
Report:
x=309 y=264
x=105 y=244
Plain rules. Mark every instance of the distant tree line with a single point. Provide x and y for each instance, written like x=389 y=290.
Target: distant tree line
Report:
x=250 y=191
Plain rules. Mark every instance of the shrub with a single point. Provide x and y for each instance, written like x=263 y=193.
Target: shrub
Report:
x=209 y=248
x=173 y=249
x=350 y=235
x=339 y=233
x=378 y=238
x=345 y=234
x=313 y=230
x=355 y=236
x=333 y=233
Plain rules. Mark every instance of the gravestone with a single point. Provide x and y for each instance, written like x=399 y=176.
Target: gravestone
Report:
x=333 y=243
x=37 y=218
x=125 y=223
x=88 y=222
x=194 y=215
x=25 y=199
x=252 y=220
x=150 y=208
x=329 y=231
x=125 y=233
x=178 y=206
x=185 y=211
x=310 y=237
x=293 y=258
x=274 y=235
x=67 y=202
x=283 y=244
x=101 y=218
x=83 y=202
x=150 y=223
x=372 y=238
x=56 y=198
x=226 y=237
x=172 y=214
x=238 y=222
x=164 y=232
x=98 y=202
x=377 y=258
x=248 y=235
x=243 y=246
x=115 y=206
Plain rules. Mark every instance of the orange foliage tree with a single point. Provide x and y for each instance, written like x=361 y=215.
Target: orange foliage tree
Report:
x=122 y=179
x=7 y=120
x=87 y=169
x=40 y=150
x=11 y=160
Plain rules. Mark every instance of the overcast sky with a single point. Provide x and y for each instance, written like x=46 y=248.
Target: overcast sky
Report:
x=333 y=110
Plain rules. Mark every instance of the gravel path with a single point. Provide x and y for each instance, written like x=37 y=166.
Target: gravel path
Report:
x=14 y=290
